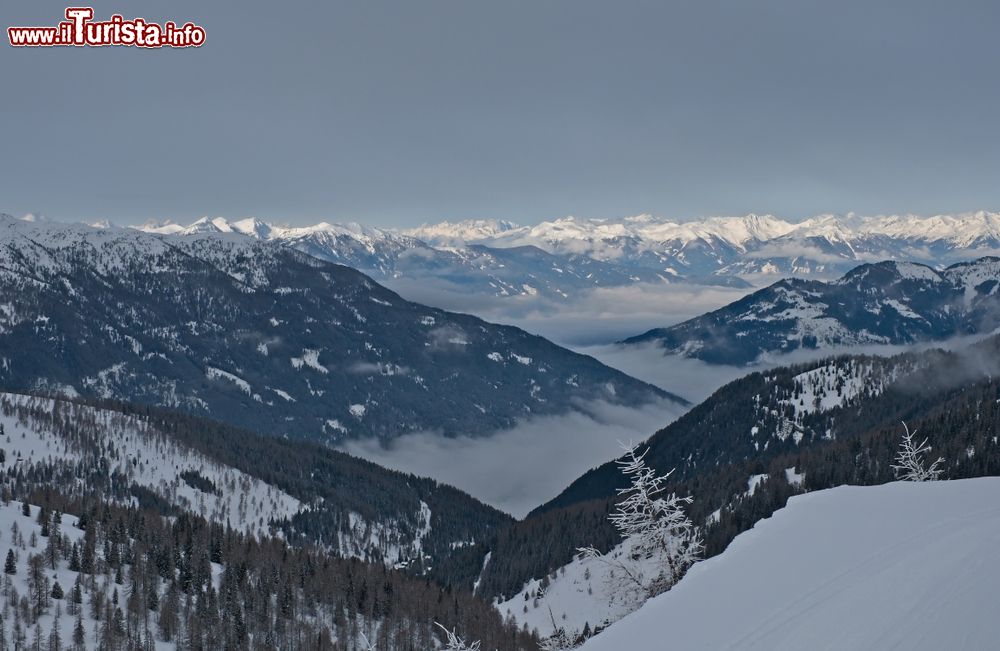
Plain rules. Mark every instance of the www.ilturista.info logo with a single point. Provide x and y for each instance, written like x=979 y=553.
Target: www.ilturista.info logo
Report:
x=79 y=29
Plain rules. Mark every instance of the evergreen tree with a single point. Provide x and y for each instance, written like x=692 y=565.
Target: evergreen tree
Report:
x=79 y=634
x=10 y=565
x=55 y=639
x=54 y=543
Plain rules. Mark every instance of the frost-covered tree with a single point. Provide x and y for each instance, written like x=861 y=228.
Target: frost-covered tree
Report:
x=653 y=526
x=365 y=644
x=452 y=642
x=910 y=463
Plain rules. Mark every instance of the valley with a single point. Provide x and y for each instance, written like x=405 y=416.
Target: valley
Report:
x=227 y=375
x=500 y=326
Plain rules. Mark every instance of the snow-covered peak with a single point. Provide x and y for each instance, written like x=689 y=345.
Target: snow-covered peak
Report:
x=466 y=231
x=258 y=229
x=166 y=227
x=963 y=230
x=734 y=230
x=203 y=225
x=832 y=227
x=209 y=225
x=252 y=227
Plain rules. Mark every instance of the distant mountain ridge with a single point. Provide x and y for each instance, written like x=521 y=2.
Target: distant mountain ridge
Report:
x=510 y=271
x=883 y=303
x=824 y=246
x=269 y=338
x=561 y=258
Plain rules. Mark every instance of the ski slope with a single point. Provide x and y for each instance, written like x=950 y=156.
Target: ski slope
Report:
x=899 y=566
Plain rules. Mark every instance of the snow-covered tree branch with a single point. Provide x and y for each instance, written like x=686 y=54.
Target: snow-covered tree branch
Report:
x=910 y=464
x=653 y=525
x=454 y=643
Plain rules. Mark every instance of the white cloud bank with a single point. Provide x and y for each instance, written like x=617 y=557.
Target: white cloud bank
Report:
x=594 y=316
x=518 y=469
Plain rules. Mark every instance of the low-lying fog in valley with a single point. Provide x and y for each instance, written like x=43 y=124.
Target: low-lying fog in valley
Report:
x=518 y=469
x=594 y=317
x=514 y=469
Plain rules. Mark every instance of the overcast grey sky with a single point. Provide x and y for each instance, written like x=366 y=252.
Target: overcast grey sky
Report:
x=395 y=113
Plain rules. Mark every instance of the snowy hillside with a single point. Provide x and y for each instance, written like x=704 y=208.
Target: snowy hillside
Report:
x=578 y=598
x=902 y=566
x=127 y=460
x=20 y=534
x=138 y=454
x=110 y=578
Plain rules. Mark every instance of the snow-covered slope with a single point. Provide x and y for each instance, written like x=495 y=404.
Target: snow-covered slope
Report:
x=132 y=452
x=583 y=596
x=128 y=459
x=899 y=566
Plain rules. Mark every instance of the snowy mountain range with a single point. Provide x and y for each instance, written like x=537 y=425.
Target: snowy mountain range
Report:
x=561 y=258
x=883 y=303
x=270 y=329
x=267 y=337
x=509 y=271
x=824 y=246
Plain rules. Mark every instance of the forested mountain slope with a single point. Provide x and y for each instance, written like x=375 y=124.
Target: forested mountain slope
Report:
x=306 y=493
x=183 y=532
x=84 y=573
x=767 y=436
x=266 y=337
x=883 y=303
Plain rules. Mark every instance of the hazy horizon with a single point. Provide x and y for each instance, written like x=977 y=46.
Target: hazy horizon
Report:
x=396 y=113
x=297 y=223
